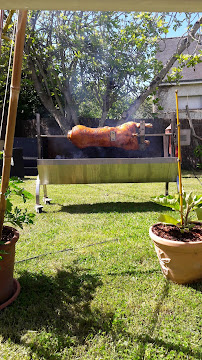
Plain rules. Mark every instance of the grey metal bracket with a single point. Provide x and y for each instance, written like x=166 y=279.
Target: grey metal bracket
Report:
x=142 y=145
x=112 y=135
x=39 y=208
x=46 y=200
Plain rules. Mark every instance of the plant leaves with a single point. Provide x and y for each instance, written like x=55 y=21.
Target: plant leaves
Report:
x=199 y=213
x=8 y=205
x=189 y=198
x=197 y=200
x=168 y=201
x=168 y=219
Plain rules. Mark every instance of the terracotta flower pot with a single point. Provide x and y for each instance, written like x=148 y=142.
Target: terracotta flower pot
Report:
x=8 y=286
x=180 y=261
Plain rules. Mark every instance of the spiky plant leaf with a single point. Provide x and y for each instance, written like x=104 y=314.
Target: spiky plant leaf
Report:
x=168 y=201
x=189 y=198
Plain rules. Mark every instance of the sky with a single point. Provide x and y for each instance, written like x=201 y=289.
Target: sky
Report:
x=183 y=29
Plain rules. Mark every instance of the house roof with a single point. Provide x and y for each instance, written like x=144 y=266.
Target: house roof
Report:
x=169 y=46
x=105 y=5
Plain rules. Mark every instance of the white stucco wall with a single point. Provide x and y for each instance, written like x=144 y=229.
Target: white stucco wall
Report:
x=188 y=94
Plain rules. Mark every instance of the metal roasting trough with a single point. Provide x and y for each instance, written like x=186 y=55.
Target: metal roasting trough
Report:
x=106 y=170
x=103 y=170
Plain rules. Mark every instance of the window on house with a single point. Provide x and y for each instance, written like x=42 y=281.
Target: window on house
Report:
x=193 y=102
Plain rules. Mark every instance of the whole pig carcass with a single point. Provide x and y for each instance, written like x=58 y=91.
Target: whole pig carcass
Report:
x=123 y=136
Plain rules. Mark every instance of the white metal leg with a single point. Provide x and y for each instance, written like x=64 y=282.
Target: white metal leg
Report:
x=46 y=199
x=38 y=206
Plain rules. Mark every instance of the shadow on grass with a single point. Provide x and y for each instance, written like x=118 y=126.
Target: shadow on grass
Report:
x=144 y=339
x=185 y=351
x=195 y=286
x=149 y=338
x=53 y=314
x=135 y=272
x=58 y=307
x=108 y=207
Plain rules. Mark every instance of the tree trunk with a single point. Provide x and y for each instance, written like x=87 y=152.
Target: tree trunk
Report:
x=47 y=101
x=103 y=118
x=106 y=100
x=70 y=104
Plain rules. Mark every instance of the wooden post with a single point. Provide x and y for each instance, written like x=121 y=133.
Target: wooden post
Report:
x=1 y=26
x=12 y=110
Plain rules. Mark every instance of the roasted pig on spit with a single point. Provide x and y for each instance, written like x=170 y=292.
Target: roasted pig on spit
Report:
x=124 y=136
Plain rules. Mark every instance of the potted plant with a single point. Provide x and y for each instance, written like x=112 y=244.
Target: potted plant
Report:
x=178 y=242
x=9 y=287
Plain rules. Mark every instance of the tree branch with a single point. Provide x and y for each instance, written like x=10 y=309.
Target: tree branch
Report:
x=8 y=20
x=46 y=100
x=56 y=94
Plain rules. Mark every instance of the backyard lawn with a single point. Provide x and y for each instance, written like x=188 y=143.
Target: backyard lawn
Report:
x=91 y=284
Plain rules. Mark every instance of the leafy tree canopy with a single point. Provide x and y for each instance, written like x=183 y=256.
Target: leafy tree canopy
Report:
x=94 y=64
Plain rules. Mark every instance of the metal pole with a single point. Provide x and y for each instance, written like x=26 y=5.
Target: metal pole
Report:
x=38 y=128
x=179 y=158
x=12 y=110
x=173 y=127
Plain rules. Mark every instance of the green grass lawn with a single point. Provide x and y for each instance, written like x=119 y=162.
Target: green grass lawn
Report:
x=91 y=283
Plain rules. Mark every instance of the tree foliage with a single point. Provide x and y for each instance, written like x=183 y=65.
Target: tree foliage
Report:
x=95 y=64
x=29 y=100
x=91 y=64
